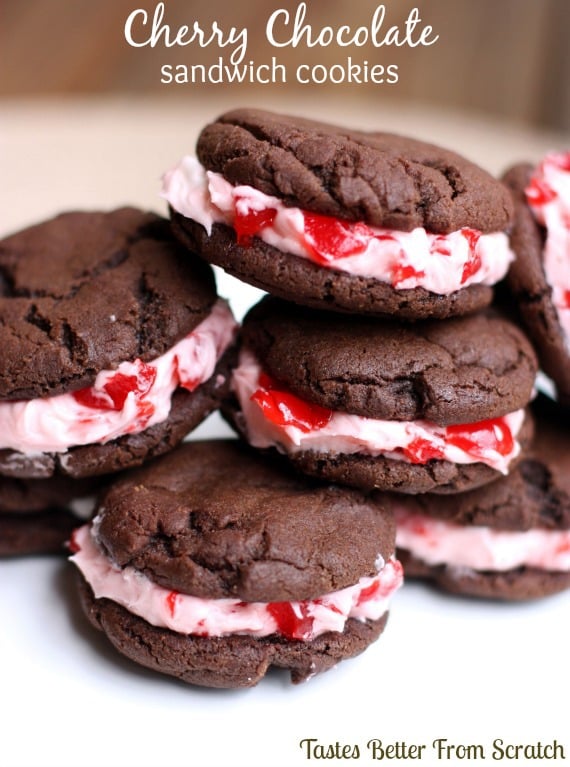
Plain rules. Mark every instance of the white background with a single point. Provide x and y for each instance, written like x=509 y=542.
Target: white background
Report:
x=446 y=667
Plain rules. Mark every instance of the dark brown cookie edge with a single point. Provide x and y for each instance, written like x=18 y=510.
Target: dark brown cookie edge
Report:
x=223 y=662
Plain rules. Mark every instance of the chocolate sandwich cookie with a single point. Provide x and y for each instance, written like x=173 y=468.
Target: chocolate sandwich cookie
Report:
x=507 y=540
x=37 y=516
x=540 y=277
x=435 y=406
x=365 y=223
x=213 y=576
x=114 y=344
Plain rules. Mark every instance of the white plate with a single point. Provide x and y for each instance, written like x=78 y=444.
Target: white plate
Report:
x=446 y=667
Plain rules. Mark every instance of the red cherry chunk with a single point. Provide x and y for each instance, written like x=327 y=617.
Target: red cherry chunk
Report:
x=402 y=273
x=329 y=238
x=476 y=438
x=170 y=600
x=538 y=192
x=247 y=225
x=473 y=263
x=441 y=246
x=289 y=624
x=566 y=300
x=368 y=593
x=283 y=408
x=117 y=389
x=421 y=451
x=186 y=383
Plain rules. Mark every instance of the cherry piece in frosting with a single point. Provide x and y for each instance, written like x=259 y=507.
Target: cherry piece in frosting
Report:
x=329 y=238
x=476 y=438
x=117 y=388
x=289 y=624
x=247 y=225
x=474 y=262
x=286 y=409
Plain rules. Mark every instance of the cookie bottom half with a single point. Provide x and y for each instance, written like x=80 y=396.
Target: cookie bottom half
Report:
x=223 y=662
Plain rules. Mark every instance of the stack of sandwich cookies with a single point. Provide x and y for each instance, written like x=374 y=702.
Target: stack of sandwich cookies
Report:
x=213 y=577
x=540 y=277
x=507 y=540
x=422 y=389
x=115 y=346
x=356 y=222
x=429 y=407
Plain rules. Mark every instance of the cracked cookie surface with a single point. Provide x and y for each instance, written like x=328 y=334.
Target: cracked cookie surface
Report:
x=215 y=519
x=462 y=370
x=383 y=179
x=83 y=292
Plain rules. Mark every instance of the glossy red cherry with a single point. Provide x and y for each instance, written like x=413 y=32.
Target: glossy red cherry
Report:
x=283 y=408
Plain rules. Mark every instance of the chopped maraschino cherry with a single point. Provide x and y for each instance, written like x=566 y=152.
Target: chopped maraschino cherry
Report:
x=329 y=239
x=117 y=388
x=402 y=273
x=368 y=592
x=170 y=600
x=538 y=192
x=476 y=438
x=566 y=300
x=247 y=225
x=283 y=408
x=289 y=624
x=473 y=263
x=440 y=246
x=421 y=451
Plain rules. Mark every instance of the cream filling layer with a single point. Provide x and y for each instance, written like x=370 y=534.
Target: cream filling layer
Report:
x=347 y=433
x=437 y=542
x=369 y=599
x=124 y=401
x=441 y=264
x=548 y=195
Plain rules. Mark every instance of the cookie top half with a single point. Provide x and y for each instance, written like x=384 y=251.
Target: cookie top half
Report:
x=213 y=519
x=383 y=179
x=460 y=370
x=85 y=291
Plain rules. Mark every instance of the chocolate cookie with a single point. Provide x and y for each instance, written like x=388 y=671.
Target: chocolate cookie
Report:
x=368 y=223
x=381 y=405
x=537 y=278
x=507 y=540
x=44 y=532
x=111 y=336
x=38 y=516
x=235 y=571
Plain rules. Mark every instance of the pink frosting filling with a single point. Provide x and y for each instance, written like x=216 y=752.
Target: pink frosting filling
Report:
x=271 y=421
x=437 y=542
x=124 y=401
x=548 y=195
x=367 y=600
x=441 y=264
